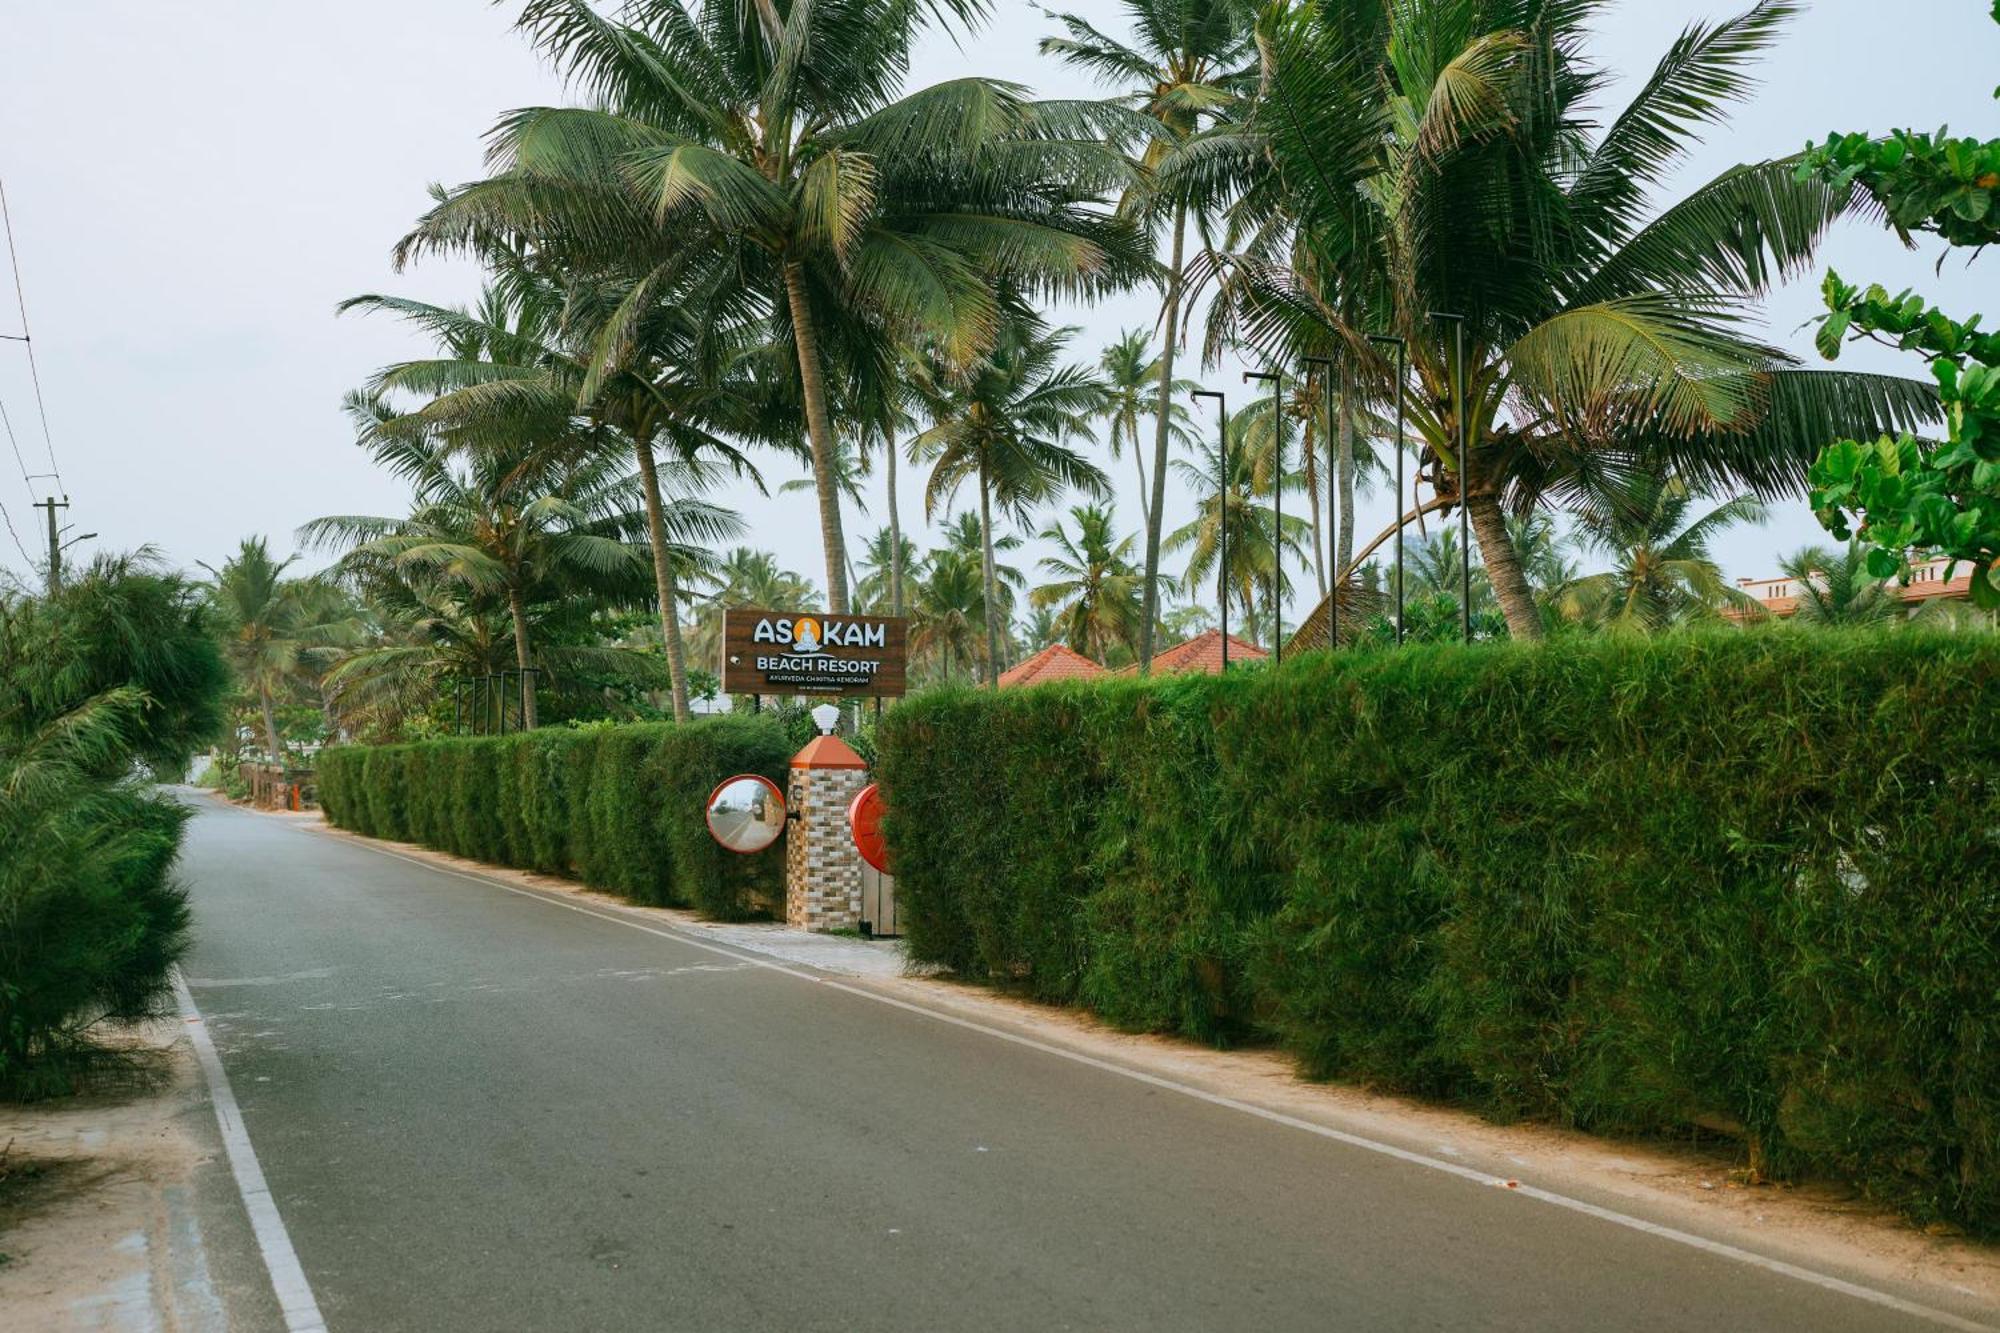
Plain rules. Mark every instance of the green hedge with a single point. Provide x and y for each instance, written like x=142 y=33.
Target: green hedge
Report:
x=617 y=807
x=1747 y=880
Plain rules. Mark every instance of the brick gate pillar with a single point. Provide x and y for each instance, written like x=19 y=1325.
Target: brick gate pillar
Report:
x=822 y=869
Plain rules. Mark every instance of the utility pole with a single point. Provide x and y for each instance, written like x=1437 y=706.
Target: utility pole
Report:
x=55 y=541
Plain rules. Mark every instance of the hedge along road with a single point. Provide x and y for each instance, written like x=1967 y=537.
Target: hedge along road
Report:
x=476 y=1110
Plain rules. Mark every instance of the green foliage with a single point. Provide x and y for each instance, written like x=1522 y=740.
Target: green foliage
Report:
x=1925 y=182
x=618 y=807
x=1911 y=495
x=117 y=670
x=1633 y=884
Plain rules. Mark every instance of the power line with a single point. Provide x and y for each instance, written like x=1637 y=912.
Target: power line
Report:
x=26 y=559
x=27 y=338
x=21 y=462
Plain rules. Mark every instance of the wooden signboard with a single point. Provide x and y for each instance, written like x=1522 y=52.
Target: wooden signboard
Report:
x=810 y=652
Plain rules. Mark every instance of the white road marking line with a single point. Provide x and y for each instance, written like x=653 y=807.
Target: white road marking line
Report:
x=1720 y=1249
x=274 y=1243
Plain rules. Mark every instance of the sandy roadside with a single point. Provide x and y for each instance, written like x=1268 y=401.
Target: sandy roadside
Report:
x=109 y=1202
x=1822 y=1226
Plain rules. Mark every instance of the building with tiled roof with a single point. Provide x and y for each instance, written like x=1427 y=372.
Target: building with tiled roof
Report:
x=1202 y=653
x=1932 y=581
x=1055 y=662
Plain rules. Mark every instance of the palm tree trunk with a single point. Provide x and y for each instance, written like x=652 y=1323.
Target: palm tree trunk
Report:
x=1312 y=499
x=664 y=582
x=895 y=526
x=517 y=606
x=1139 y=460
x=1344 y=478
x=992 y=586
x=812 y=383
x=271 y=741
x=1503 y=567
x=1158 y=507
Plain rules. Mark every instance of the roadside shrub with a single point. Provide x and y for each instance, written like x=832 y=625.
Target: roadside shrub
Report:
x=620 y=808
x=1742 y=881
x=116 y=671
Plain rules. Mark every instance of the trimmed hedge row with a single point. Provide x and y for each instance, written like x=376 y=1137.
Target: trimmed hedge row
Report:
x=1738 y=880
x=620 y=808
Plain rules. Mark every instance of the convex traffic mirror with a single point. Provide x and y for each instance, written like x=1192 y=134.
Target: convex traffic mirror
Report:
x=746 y=813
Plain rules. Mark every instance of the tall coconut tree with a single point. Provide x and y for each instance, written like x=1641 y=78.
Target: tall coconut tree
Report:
x=271 y=626
x=1663 y=570
x=509 y=525
x=770 y=143
x=1003 y=426
x=948 y=621
x=1092 y=585
x=1131 y=373
x=1256 y=541
x=1443 y=157
x=1187 y=66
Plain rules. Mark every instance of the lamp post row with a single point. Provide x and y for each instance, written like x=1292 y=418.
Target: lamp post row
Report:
x=1461 y=412
x=489 y=700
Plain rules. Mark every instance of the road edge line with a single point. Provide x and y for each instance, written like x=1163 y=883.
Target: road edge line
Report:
x=1658 y=1230
x=274 y=1242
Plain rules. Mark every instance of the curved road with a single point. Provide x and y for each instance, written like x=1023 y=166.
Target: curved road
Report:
x=476 y=1110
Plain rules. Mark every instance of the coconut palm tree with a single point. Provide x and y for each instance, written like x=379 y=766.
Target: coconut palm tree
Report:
x=1131 y=373
x=948 y=621
x=509 y=525
x=881 y=566
x=1003 y=426
x=1255 y=540
x=766 y=145
x=1835 y=587
x=746 y=577
x=1662 y=572
x=1437 y=156
x=1093 y=587
x=645 y=370
x=270 y=626
x=1188 y=65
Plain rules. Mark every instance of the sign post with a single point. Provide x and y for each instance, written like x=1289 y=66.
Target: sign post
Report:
x=807 y=652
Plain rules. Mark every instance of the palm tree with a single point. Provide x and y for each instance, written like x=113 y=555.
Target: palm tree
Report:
x=1255 y=542
x=270 y=626
x=1189 y=64
x=963 y=534
x=510 y=525
x=746 y=577
x=1447 y=159
x=1662 y=572
x=1002 y=425
x=1131 y=374
x=1093 y=587
x=948 y=615
x=763 y=144
x=883 y=560
x=646 y=368
x=1835 y=588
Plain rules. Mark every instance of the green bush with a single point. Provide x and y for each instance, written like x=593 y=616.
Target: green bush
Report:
x=117 y=670
x=620 y=808
x=1746 y=880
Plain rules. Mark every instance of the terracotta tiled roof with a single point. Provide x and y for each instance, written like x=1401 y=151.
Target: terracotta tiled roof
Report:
x=828 y=752
x=1201 y=653
x=1055 y=662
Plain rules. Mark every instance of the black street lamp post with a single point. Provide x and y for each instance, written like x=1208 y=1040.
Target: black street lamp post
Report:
x=1221 y=513
x=1459 y=412
x=1402 y=347
x=1332 y=515
x=1277 y=380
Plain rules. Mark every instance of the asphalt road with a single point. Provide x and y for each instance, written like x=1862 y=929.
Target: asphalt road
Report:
x=478 y=1111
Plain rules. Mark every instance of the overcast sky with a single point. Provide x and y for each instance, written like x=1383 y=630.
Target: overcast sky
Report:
x=196 y=183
